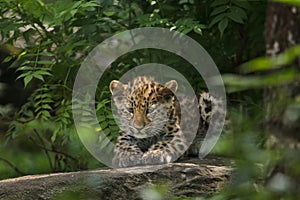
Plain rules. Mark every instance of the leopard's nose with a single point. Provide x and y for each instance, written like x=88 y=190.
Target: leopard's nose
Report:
x=138 y=126
x=138 y=121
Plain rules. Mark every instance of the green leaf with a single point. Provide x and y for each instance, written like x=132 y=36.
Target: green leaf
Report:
x=44 y=73
x=186 y=25
x=235 y=18
x=25 y=67
x=53 y=137
x=266 y=63
x=292 y=2
x=239 y=11
x=197 y=29
x=219 y=2
x=237 y=15
x=109 y=13
x=46 y=106
x=45 y=62
x=219 y=10
x=45 y=53
x=102 y=104
x=41 y=96
x=38 y=76
x=184 y=30
x=242 y=4
x=104 y=124
x=217 y=19
x=27 y=62
x=223 y=25
x=258 y=64
x=47 y=100
x=238 y=82
x=23 y=75
x=46 y=114
x=89 y=4
x=27 y=79
x=7 y=59
x=73 y=12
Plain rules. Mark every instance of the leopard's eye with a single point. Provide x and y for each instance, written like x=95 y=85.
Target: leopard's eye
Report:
x=130 y=110
x=150 y=109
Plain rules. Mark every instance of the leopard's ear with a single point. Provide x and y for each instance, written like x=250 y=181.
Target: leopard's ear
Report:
x=169 y=90
x=116 y=87
x=172 y=85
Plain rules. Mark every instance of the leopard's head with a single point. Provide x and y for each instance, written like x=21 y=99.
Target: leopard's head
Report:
x=144 y=106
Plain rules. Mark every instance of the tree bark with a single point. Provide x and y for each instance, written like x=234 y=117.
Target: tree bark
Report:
x=187 y=179
x=282 y=31
x=282 y=119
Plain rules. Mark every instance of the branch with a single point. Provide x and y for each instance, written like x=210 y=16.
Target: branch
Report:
x=52 y=150
x=12 y=166
x=181 y=180
x=44 y=147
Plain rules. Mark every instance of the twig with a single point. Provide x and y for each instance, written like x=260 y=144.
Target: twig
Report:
x=129 y=14
x=53 y=150
x=46 y=151
x=12 y=166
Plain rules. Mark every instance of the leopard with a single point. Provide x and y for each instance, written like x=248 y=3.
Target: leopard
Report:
x=151 y=130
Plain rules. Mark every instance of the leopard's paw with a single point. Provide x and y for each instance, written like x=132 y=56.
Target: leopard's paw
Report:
x=156 y=157
x=127 y=161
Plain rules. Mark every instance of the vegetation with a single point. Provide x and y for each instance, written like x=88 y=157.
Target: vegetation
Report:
x=45 y=41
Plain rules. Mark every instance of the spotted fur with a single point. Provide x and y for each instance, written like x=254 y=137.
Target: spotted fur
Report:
x=149 y=122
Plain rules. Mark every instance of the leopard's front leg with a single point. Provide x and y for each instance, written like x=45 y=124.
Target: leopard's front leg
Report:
x=126 y=158
x=127 y=154
x=166 y=151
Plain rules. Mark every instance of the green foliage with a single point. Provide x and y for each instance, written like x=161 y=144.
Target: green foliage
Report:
x=35 y=69
x=228 y=10
x=58 y=35
x=282 y=65
x=292 y=2
x=266 y=158
x=266 y=63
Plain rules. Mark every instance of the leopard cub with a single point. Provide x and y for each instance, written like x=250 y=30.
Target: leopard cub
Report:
x=149 y=122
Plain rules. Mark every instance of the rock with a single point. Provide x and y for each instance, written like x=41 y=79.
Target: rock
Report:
x=190 y=178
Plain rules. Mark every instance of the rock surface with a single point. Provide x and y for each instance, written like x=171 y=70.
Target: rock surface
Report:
x=190 y=178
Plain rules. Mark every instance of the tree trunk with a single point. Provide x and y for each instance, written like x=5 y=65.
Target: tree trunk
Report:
x=187 y=179
x=282 y=32
x=282 y=119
